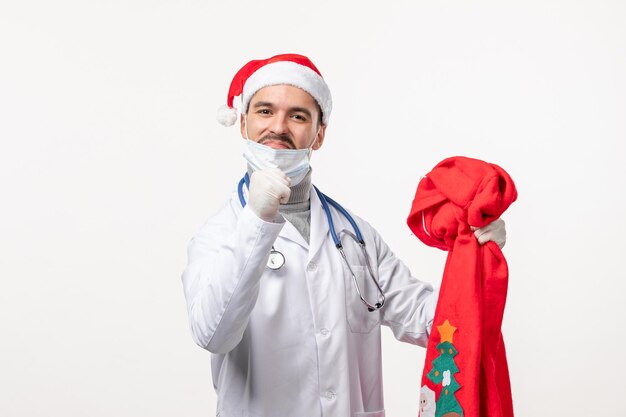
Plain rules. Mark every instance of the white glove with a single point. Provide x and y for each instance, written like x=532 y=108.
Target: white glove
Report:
x=495 y=231
x=268 y=189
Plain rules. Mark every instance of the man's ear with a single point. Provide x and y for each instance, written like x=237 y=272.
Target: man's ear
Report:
x=320 y=138
x=242 y=125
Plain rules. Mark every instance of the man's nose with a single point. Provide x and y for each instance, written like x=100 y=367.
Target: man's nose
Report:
x=279 y=124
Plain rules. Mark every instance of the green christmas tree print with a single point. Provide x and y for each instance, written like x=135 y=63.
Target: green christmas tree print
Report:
x=443 y=372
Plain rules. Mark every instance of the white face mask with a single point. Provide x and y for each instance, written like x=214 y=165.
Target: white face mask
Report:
x=294 y=163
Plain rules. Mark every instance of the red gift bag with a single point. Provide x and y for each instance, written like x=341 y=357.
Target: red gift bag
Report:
x=465 y=372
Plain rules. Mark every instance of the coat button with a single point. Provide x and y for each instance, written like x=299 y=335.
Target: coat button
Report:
x=312 y=266
x=324 y=331
x=330 y=395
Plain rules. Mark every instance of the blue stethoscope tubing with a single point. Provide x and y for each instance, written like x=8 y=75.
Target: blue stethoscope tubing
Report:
x=277 y=259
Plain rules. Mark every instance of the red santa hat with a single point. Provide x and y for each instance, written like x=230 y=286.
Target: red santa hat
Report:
x=290 y=69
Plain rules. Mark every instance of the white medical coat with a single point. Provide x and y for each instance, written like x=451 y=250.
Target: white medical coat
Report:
x=298 y=341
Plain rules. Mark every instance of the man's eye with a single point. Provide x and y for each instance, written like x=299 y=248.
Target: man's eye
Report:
x=263 y=111
x=299 y=117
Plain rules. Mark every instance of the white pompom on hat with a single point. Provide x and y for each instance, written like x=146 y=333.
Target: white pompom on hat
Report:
x=290 y=69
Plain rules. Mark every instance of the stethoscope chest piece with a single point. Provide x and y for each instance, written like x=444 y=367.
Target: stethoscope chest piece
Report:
x=276 y=260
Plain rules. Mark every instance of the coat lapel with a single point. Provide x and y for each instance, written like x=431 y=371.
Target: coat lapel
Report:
x=290 y=232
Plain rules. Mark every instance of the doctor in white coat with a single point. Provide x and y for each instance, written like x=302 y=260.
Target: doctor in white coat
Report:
x=267 y=290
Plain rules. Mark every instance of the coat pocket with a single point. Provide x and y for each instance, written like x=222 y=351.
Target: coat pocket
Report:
x=360 y=320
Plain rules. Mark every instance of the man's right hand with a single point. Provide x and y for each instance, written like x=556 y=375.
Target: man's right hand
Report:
x=268 y=189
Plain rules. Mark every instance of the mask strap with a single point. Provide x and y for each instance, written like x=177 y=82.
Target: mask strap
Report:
x=314 y=139
x=245 y=120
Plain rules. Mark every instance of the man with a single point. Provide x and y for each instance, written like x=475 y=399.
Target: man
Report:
x=293 y=325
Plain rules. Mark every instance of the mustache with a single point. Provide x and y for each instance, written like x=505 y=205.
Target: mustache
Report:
x=281 y=138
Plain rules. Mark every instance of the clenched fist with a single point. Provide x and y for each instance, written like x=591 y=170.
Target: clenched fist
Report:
x=269 y=188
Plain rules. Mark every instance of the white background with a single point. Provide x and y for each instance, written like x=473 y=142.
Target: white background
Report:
x=111 y=159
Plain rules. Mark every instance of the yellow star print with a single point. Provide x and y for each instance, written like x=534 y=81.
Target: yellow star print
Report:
x=446 y=330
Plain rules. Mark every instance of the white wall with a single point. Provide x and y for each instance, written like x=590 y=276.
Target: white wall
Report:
x=110 y=159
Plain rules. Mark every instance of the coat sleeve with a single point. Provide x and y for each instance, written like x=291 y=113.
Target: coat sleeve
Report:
x=226 y=260
x=410 y=304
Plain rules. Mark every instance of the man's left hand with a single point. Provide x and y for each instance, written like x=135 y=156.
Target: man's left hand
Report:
x=495 y=231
